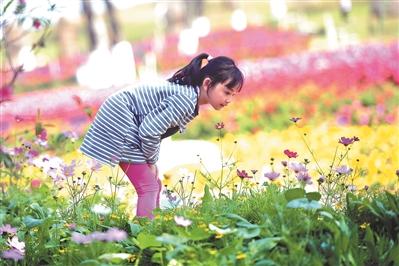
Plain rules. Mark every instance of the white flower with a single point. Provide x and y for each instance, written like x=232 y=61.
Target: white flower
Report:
x=220 y=230
x=182 y=221
x=15 y=243
x=101 y=209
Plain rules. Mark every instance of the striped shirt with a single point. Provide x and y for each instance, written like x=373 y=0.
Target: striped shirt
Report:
x=131 y=123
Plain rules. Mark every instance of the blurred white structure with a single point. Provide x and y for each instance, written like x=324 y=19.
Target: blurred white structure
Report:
x=148 y=71
x=188 y=42
x=331 y=32
x=174 y=153
x=201 y=26
x=278 y=9
x=105 y=68
x=239 y=20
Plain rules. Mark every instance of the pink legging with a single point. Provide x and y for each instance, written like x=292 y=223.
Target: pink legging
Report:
x=147 y=185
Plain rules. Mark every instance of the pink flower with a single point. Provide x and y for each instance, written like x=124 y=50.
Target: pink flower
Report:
x=35 y=183
x=36 y=23
x=7 y=228
x=68 y=170
x=5 y=93
x=93 y=165
x=115 y=234
x=290 y=154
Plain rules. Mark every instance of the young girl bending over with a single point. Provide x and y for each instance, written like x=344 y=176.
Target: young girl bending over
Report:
x=131 y=123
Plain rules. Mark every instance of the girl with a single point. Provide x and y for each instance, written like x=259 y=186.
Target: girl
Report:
x=131 y=123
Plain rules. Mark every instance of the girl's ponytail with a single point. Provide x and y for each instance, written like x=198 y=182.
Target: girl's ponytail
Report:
x=219 y=69
x=190 y=74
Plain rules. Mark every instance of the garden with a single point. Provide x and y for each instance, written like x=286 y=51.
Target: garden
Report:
x=307 y=155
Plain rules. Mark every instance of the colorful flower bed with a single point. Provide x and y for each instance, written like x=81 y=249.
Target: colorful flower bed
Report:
x=63 y=216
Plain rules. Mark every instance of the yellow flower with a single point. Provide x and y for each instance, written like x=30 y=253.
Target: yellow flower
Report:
x=364 y=225
x=240 y=256
x=114 y=216
x=62 y=250
x=212 y=251
x=218 y=235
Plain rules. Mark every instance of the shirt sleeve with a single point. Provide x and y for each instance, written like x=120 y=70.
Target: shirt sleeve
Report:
x=170 y=112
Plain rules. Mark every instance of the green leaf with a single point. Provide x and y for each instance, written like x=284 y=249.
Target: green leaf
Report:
x=264 y=244
x=304 y=204
x=248 y=233
x=294 y=193
x=115 y=257
x=265 y=262
x=146 y=240
x=171 y=239
x=198 y=234
x=313 y=196
x=134 y=228
x=30 y=222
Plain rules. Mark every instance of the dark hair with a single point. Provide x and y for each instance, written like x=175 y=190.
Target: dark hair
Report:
x=219 y=69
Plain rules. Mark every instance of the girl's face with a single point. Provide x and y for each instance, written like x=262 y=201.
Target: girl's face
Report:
x=219 y=96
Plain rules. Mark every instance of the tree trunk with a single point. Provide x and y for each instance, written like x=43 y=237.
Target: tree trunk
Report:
x=114 y=31
x=88 y=12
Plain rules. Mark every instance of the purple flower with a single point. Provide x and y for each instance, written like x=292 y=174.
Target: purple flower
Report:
x=297 y=167
x=18 y=151
x=80 y=238
x=73 y=136
x=115 y=234
x=68 y=170
x=346 y=141
x=272 y=175
x=343 y=170
x=7 y=228
x=304 y=177
x=12 y=254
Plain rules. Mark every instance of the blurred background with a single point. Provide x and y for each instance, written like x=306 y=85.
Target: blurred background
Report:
x=332 y=61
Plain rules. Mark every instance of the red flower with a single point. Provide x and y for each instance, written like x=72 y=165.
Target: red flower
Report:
x=243 y=174
x=36 y=23
x=290 y=154
x=35 y=183
x=219 y=126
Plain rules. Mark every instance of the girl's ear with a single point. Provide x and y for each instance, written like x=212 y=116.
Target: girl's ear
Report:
x=206 y=83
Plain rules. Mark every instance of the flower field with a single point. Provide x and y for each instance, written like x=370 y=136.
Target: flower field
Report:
x=309 y=168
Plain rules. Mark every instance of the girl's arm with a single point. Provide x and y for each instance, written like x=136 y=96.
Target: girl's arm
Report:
x=170 y=112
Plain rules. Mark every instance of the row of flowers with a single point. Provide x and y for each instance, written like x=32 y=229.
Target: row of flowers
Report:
x=254 y=42
x=353 y=67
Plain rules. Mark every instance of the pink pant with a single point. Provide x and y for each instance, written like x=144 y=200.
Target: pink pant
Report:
x=147 y=185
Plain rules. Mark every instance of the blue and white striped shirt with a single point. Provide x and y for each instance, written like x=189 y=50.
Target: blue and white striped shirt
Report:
x=131 y=123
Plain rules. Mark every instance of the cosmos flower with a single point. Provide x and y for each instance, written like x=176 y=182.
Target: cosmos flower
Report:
x=180 y=220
